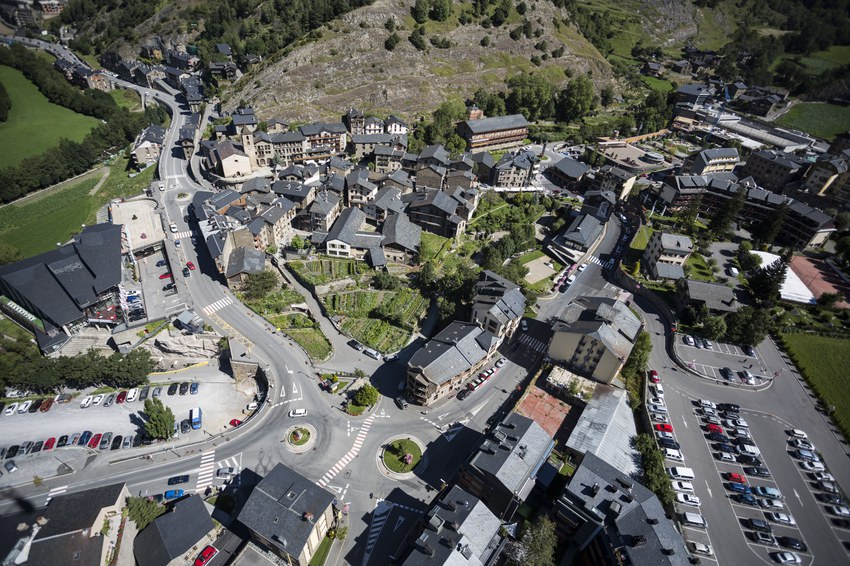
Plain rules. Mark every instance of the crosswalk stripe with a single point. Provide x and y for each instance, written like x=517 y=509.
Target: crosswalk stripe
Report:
x=218 y=305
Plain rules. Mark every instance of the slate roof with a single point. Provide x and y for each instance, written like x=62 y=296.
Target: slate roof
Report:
x=75 y=511
x=223 y=49
x=608 y=320
x=606 y=428
x=227 y=149
x=498 y=297
x=280 y=137
x=633 y=518
x=256 y=185
x=572 y=168
x=245 y=260
x=433 y=197
x=584 y=230
x=388 y=199
x=715 y=296
x=292 y=189
x=400 y=231
x=173 y=533
x=318 y=128
x=519 y=447
x=400 y=178
x=436 y=152
x=669 y=271
x=720 y=153
x=461 y=531
x=324 y=203
x=394 y=120
x=454 y=350
x=495 y=124
x=154 y=134
x=676 y=243
x=276 y=508
x=224 y=198
x=62 y=282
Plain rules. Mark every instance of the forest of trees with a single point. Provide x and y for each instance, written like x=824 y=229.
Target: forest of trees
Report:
x=70 y=158
x=5 y=104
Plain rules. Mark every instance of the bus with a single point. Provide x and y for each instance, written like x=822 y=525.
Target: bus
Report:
x=195 y=417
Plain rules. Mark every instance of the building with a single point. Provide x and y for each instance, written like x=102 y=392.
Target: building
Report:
x=329 y=138
x=147 y=146
x=580 y=236
x=176 y=536
x=503 y=471
x=397 y=242
x=241 y=263
x=694 y=94
x=773 y=170
x=288 y=515
x=512 y=170
x=322 y=212
x=710 y=161
x=355 y=120
x=71 y=531
x=458 y=529
x=487 y=134
x=666 y=254
x=435 y=211
x=609 y=519
x=56 y=293
x=829 y=177
x=718 y=299
x=594 y=337
x=498 y=305
x=568 y=173
x=440 y=366
x=229 y=161
x=395 y=126
x=614 y=179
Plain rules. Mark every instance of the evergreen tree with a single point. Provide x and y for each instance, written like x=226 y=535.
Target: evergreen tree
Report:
x=766 y=281
x=441 y=10
x=576 y=100
x=366 y=396
x=537 y=547
x=767 y=231
x=722 y=220
x=160 y=419
x=420 y=11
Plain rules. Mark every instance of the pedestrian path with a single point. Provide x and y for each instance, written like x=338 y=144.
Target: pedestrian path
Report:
x=355 y=450
x=379 y=517
x=206 y=473
x=218 y=305
x=532 y=343
x=55 y=491
x=183 y=234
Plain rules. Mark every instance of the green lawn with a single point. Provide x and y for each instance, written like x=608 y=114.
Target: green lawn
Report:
x=825 y=364
x=377 y=334
x=641 y=239
x=306 y=332
x=322 y=552
x=127 y=98
x=395 y=452
x=432 y=246
x=660 y=85
x=700 y=271
x=34 y=123
x=819 y=119
x=530 y=256
x=820 y=61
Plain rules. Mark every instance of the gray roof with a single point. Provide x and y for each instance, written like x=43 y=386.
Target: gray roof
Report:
x=276 y=508
x=347 y=225
x=224 y=198
x=454 y=350
x=292 y=189
x=436 y=152
x=439 y=199
x=75 y=511
x=170 y=535
x=514 y=452
x=498 y=297
x=608 y=320
x=324 y=203
x=496 y=124
x=256 y=185
x=669 y=271
x=606 y=428
x=154 y=134
x=572 y=168
x=460 y=530
x=400 y=178
x=400 y=231
x=388 y=198
x=676 y=243
x=317 y=128
x=715 y=296
x=584 y=230
x=245 y=260
x=632 y=517
x=60 y=283
x=720 y=153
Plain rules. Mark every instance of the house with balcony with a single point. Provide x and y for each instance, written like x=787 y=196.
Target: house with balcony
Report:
x=487 y=134
x=666 y=254
x=498 y=305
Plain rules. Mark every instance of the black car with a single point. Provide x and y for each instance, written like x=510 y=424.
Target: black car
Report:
x=750 y=351
x=116 y=442
x=668 y=443
x=717 y=437
x=168 y=287
x=464 y=393
x=185 y=427
x=184 y=387
x=744 y=441
x=759 y=525
x=172 y=389
x=109 y=399
x=830 y=498
x=36 y=447
x=186 y=272
x=757 y=471
x=791 y=542
x=723 y=447
x=35 y=405
x=748 y=460
x=178 y=479
x=729 y=407
x=12 y=451
x=161 y=263
x=402 y=404
x=746 y=499
x=143 y=394
x=63 y=440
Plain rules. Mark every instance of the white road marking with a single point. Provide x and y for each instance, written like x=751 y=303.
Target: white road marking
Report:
x=685 y=421
x=708 y=488
x=398 y=522
x=294 y=389
x=441 y=417
x=797 y=495
x=287 y=368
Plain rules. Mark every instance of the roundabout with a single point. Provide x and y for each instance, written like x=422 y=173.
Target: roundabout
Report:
x=400 y=456
x=299 y=439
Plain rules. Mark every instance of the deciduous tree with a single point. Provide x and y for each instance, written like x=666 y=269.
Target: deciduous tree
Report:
x=366 y=396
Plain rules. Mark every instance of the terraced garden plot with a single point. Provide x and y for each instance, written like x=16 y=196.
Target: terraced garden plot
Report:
x=326 y=270
x=306 y=332
x=382 y=320
x=376 y=334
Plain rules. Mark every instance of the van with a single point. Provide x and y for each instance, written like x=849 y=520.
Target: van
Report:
x=681 y=473
x=659 y=390
x=748 y=450
x=671 y=454
x=372 y=353
x=694 y=520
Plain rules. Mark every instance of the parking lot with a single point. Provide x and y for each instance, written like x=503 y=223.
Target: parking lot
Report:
x=217 y=400
x=710 y=360
x=733 y=491
x=159 y=296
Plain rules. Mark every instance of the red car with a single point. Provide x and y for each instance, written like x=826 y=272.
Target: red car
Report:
x=95 y=441
x=653 y=376
x=714 y=428
x=165 y=276
x=206 y=555
x=664 y=427
x=49 y=443
x=46 y=406
x=191 y=266
x=732 y=476
x=121 y=397
x=235 y=422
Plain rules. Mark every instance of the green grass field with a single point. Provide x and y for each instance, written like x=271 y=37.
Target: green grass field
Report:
x=825 y=365
x=820 y=61
x=660 y=85
x=821 y=120
x=127 y=98
x=34 y=123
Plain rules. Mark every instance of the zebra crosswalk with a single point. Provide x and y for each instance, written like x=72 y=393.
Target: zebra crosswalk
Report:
x=379 y=517
x=183 y=234
x=218 y=305
x=206 y=472
x=607 y=264
x=344 y=461
x=54 y=492
x=532 y=343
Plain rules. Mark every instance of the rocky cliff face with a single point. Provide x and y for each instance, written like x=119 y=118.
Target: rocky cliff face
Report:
x=348 y=66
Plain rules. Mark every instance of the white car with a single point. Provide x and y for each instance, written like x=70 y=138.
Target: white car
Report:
x=582 y=267
x=689 y=340
x=162 y=187
x=824 y=476
x=131 y=395
x=10 y=410
x=86 y=402
x=501 y=362
x=725 y=457
x=657 y=401
x=659 y=418
x=712 y=420
x=688 y=499
x=797 y=433
x=839 y=510
x=707 y=343
x=740 y=432
x=705 y=403
x=173 y=228
x=667 y=435
x=683 y=486
x=769 y=503
x=737 y=423
x=700 y=548
x=97 y=399
x=813 y=466
x=783 y=518
x=298 y=413
x=804 y=444
x=657 y=408
x=524 y=325
x=787 y=558
x=24 y=407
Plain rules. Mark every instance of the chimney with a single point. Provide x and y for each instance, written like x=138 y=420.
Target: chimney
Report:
x=595 y=488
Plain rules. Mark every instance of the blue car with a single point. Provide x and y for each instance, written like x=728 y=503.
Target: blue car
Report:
x=173 y=494
x=739 y=487
x=84 y=438
x=747 y=499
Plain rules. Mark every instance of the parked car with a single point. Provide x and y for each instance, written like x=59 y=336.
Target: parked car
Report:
x=11 y=467
x=685 y=486
x=786 y=558
x=172 y=389
x=109 y=400
x=688 y=499
x=175 y=480
x=95 y=441
x=49 y=443
x=813 y=466
x=116 y=442
x=725 y=456
x=732 y=476
x=11 y=409
x=759 y=525
x=768 y=503
x=63 y=440
x=664 y=428
x=173 y=494
x=46 y=405
x=783 y=518
x=86 y=402
x=746 y=499
x=206 y=555
x=105 y=441
x=184 y=387
x=791 y=542
x=766 y=539
x=85 y=437
x=143 y=394
x=131 y=395
x=121 y=397
x=653 y=376
x=225 y=472
x=729 y=407
x=165 y=276
x=797 y=433
x=727 y=373
x=738 y=487
x=193 y=388
x=757 y=471
x=156 y=392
